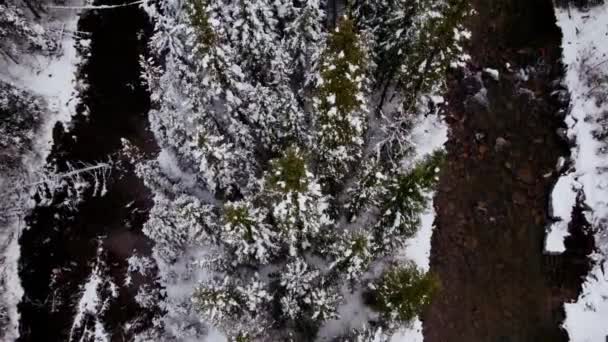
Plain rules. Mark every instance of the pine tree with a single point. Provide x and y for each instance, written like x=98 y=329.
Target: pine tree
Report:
x=304 y=40
x=217 y=301
x=299 y=208
x=340 y=103
x=403 y=31
x=247 y=234
x=303 y=294
x=405 y=198
x=176 y=223
x=353 y=253
x=402 y=292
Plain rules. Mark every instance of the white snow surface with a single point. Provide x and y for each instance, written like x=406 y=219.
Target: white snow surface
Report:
x=95 y=296
x=52 y=78
x=585 y=51
x=563 y=199
x=495 y=74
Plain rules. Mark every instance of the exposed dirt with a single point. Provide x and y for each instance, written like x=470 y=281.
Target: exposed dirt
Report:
x=492 y=200
x=60 y=247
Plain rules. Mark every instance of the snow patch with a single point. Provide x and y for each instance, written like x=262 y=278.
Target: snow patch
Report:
x=587 y=323
x=493 y=73
x=563 y=200
x=585 y=48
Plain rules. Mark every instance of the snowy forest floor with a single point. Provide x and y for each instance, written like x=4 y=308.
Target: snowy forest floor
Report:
x=66 y=247
x=492 y=198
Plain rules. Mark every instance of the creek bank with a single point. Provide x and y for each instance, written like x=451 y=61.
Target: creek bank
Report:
x=493 y=193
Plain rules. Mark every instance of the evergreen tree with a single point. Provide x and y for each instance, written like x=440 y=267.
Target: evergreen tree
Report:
x=402 y=292
x=247 y=234
x=414 y=42
x=304 y=40
x=353 y=253
x=340 y=104
x=303 y=293
x=177 y=223
x=405 y=198
x=299 y=208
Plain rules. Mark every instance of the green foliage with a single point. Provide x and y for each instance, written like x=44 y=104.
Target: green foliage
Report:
x=435 y=48
x=343 y=63
x=288 y=173
x=238 y=215
x=242 y=337
x=340 y=103
x=415 y=41
x=199 y=19
x=403 y=292
x=216 y=302
x=406 y=199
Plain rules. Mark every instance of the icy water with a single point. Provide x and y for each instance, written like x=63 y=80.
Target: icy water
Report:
x=63 y=247
x=492 y=201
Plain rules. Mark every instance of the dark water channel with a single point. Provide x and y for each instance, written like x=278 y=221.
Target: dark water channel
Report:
x=62 y=245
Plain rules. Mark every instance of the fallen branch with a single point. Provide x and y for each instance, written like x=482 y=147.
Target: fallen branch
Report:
x=57 y=177
x=97 y=7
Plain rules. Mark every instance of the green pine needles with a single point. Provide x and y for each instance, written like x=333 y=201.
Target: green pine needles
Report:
x=340 y=101
x=289 y=173
x=343 y=65
x=403 y=292
x=199 y=18
x=406 y=199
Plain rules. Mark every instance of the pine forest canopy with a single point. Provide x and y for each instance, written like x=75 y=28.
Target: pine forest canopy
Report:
x=294 y=136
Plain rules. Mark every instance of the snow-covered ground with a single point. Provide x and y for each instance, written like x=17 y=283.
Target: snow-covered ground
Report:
x=52 y=78
x=585 y=53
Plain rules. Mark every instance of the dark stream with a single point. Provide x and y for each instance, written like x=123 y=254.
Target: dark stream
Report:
x=61 y=246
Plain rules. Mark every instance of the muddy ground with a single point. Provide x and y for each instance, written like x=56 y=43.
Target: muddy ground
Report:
x=492 y=200
x=60 y=247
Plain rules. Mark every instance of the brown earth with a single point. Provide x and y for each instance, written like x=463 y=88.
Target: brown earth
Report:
x=492 y=200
